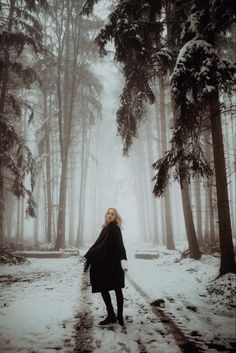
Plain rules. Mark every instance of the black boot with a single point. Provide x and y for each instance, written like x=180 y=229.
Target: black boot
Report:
x=110 y=319
x=120 y=320
x=120 y=302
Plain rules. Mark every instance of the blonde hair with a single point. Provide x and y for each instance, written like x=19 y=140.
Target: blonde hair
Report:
x=118 y=218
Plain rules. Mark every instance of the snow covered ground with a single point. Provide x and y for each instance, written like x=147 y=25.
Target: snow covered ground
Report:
x=47 y=306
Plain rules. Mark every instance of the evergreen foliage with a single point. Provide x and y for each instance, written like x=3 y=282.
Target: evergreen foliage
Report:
x=20 y=29
x=88 y=6
x=181 y=37
x=136 y=29
x=189 y=50
x=199 y=74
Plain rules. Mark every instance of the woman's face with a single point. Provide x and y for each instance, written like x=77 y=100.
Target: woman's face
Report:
x=111 y=215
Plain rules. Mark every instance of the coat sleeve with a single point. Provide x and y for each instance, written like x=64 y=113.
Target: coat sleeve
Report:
x=119 y=244
x=94 y=248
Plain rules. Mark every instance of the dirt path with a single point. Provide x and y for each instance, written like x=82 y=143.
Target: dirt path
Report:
x=48 y=307
x=148 y=329
x=184 y=339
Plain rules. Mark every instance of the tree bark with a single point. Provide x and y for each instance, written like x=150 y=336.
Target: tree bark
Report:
x=18 y=221
x=187 y=207
x=65 y=119
x=226 y=243
x=2 y=106
x=60 y=241
x=159 y=150
x=2 y=207
x=22 y=219
x=154 y=201
x=188 y=218
x=167 y=203
x=198 y=204
x=82 y=176
x=10 y=212
x=71 y=201
x=48 y=167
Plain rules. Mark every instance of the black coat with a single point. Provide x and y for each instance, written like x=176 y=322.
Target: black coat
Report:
x=105 y=258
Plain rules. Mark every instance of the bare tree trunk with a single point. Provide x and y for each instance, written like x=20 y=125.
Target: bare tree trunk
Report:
x=198 y=203
x=226 y=243
x=2 y=107
x=211 y=209
x=159 y=150
x=65 y=119
x=139 y=197
x=167 y=204
x=207 y=213
x=64 y=133
x=22 y=219
x=18 y=221
x=143 y=190
x=10 y=215
x=86 y=163
x=188 y=217
x=233 y=129
x=83 y=181
x=187 y=207
x=2 y=205
x=48 y=167
x=81 y=190
x=209 y=230
x=228 y=128
x=60 y=241
x=154 y=202
x=71 y=201
x=36 y=220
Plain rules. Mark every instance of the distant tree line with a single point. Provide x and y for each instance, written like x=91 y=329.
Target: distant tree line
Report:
x=46 y=52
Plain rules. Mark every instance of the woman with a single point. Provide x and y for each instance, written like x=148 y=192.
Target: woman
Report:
x=106 y=259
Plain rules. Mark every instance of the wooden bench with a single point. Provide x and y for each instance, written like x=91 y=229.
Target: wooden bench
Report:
x=146 y=254
x=47 y=254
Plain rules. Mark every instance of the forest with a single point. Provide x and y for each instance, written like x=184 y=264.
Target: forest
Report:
x=127 y=104
x=173 y=96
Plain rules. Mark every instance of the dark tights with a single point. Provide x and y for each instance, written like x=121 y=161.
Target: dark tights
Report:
x=119 y=298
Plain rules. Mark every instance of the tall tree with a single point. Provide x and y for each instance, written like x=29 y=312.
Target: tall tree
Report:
x=72 y=54
x=199 y=77
x=137 y=29
x=20 y=30
x=167 y=203
x=153 y=200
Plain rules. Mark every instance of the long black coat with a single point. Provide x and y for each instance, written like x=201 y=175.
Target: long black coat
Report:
x=105 y=258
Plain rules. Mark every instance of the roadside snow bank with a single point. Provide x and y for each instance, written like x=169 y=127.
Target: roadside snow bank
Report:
x=38 y=310
x=191 y=292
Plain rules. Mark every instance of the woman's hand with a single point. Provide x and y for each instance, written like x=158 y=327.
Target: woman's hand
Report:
x=86 y=266
x=124 y=265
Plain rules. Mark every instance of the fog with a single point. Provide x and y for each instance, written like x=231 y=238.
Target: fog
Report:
x=80 y=167
x=127 y=105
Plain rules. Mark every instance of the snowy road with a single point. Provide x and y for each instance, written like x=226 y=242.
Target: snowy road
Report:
x=143 y=331
x=48 y=307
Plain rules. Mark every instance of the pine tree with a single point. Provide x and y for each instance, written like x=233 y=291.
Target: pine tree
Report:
x=200 y=75
x=137 y=29
x=72 y=54
x=20 y=30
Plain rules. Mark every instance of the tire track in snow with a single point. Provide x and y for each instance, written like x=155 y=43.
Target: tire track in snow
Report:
x=179 y=332
x=90 y=337
x=84 y=324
